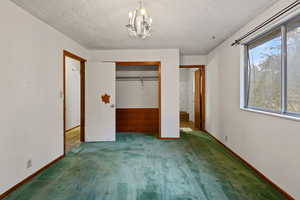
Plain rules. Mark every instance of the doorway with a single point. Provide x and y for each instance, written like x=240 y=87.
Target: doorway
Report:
x=192 y=98
x=138 y=101
x=74 y=100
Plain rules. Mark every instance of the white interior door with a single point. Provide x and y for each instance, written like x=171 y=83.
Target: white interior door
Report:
x=100 y=117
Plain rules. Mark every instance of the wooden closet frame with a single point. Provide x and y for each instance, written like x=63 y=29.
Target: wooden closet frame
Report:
x=150 y=63
x=202 y=93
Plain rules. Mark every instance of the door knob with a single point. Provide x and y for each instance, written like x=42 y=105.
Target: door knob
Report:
x=112 y=105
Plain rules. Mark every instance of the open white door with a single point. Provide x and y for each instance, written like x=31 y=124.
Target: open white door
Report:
x=100 y=117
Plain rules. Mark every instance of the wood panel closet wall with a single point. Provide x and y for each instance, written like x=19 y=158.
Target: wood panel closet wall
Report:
x=138 y=98
x=141 y=120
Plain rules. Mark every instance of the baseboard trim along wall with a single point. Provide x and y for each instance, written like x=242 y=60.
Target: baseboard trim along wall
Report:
x=288 y=196
x=168 y=138
x=26 y=180
x=70 y=129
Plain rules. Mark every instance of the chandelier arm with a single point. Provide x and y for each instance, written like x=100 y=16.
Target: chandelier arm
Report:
x=140 y=23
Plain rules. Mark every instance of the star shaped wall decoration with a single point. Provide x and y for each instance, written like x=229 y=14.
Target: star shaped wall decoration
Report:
x=105 y=98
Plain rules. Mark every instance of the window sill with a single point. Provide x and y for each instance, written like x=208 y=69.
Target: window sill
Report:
x=271 y=114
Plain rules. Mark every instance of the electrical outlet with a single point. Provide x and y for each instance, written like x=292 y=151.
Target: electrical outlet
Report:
x=29 y=164
x=226 y=138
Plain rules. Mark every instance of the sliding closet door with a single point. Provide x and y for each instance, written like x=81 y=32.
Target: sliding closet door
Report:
x=100 y=102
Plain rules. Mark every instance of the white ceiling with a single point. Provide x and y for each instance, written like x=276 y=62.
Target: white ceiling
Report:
x=185 y=24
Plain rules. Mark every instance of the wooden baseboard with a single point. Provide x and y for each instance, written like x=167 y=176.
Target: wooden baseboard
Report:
x=26 y=180
x=168 y=138
x=72 y=128
x=288 y=196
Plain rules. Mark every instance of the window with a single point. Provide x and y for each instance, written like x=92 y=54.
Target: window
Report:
x=272 y=73
x=265 y=72
x=293 y=67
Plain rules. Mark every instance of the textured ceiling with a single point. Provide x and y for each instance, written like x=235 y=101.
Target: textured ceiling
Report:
x=185 y=24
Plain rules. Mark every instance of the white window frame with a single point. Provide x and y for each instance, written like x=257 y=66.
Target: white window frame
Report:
x=244 y=74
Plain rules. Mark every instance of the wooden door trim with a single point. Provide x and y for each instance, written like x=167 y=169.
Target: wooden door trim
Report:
x=193 y=66
x=203 y=99
x=148 y=63
x=82 y=94
x=71 y=55
x=197 y=99
x=202 y=91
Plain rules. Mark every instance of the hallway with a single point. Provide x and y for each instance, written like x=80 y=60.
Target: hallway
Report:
x=72 y=139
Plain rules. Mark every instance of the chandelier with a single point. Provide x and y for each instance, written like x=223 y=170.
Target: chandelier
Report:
x=139 y=22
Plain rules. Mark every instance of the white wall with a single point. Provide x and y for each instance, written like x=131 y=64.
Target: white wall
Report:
x=212 y=94
x=136 y=93
x=169 y=59
x=72 y=93
x=193 y=60
x=31 y=117
x=269 y=143
x=187 y=92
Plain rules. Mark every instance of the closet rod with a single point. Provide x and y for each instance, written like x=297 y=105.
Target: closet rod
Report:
x=135 y=80
x=136 y=77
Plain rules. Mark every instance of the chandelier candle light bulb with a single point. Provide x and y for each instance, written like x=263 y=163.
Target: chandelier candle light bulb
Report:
x=140 y=23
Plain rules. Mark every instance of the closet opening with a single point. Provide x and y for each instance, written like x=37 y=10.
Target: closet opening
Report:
x=138 y=101
x=192 y=98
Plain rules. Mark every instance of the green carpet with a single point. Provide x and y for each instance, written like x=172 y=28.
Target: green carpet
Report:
x=141 y=167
